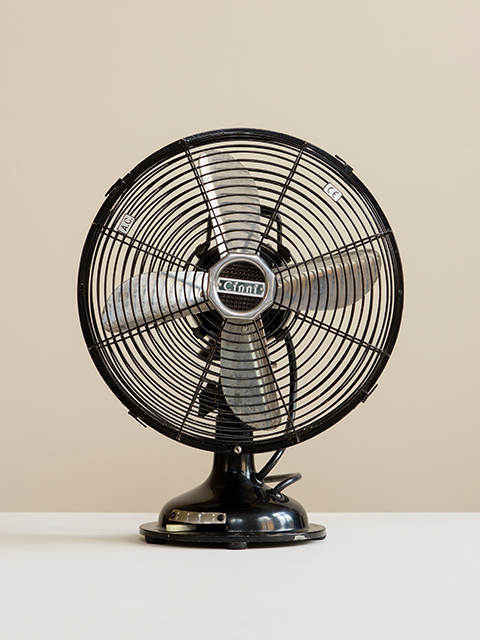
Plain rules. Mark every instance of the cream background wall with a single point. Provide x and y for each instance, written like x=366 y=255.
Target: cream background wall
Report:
x=91 y=87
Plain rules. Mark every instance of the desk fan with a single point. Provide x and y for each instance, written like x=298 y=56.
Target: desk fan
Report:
x=240 y=291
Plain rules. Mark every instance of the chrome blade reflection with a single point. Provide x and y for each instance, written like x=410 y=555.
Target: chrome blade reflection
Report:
x=159 y=296
x=233 y=202
x=328 y=282
x=246 y=375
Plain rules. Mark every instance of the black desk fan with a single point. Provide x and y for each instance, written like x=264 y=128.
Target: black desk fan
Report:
x=240 y=291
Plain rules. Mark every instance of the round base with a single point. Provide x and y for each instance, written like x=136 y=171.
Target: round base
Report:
x=232 y=508
x=156 y=535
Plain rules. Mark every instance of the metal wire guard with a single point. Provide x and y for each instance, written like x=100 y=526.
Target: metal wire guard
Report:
x=172 y=367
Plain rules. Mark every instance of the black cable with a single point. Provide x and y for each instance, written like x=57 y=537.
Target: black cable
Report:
x=292 y=406
x=284 y=480
x=270 y=464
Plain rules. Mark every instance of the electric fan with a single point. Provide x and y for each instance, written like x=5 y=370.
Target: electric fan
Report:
x=240 y=291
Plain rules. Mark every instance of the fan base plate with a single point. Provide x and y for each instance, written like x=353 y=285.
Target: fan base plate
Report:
x=232 y=508
x=155 y=535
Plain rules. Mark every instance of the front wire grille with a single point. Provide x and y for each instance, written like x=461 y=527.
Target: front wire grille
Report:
x=168 y=371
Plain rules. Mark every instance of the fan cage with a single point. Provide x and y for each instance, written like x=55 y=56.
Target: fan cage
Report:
x=324 y=362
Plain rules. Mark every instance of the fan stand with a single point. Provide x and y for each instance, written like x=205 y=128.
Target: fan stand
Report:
x=232 y=508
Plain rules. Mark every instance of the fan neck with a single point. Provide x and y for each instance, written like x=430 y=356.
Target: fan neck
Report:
x=228 y=467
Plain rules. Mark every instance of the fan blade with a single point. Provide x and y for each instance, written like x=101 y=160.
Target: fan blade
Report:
x=329 y=282
x=158 y=296
x=233 y=202
x=246 y=375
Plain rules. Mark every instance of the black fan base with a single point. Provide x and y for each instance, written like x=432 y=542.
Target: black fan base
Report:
x=232 y=508
x=154 y=535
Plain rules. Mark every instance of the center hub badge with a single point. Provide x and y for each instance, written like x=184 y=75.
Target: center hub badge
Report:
x=241 y=286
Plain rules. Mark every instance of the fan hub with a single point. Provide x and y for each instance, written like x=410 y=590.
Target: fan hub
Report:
x=241 y=286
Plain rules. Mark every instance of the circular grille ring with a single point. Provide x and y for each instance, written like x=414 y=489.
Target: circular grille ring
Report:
x=214 y=381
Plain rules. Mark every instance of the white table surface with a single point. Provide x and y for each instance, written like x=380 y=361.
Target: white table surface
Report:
x=376 y=575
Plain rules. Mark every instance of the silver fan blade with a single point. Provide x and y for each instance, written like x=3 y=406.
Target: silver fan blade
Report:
x=246 y=375
x=233 y=201
x=158 y=296
x=329 y=282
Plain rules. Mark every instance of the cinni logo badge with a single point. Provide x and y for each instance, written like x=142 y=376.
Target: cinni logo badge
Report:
x=241 y=287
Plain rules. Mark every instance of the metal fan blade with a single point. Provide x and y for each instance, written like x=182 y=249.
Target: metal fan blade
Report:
x=233 y=202
x=329 y=282
x=158 y=296
x=246 y=376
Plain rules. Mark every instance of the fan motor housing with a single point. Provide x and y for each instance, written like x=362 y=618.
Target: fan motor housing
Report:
x=241 y=286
